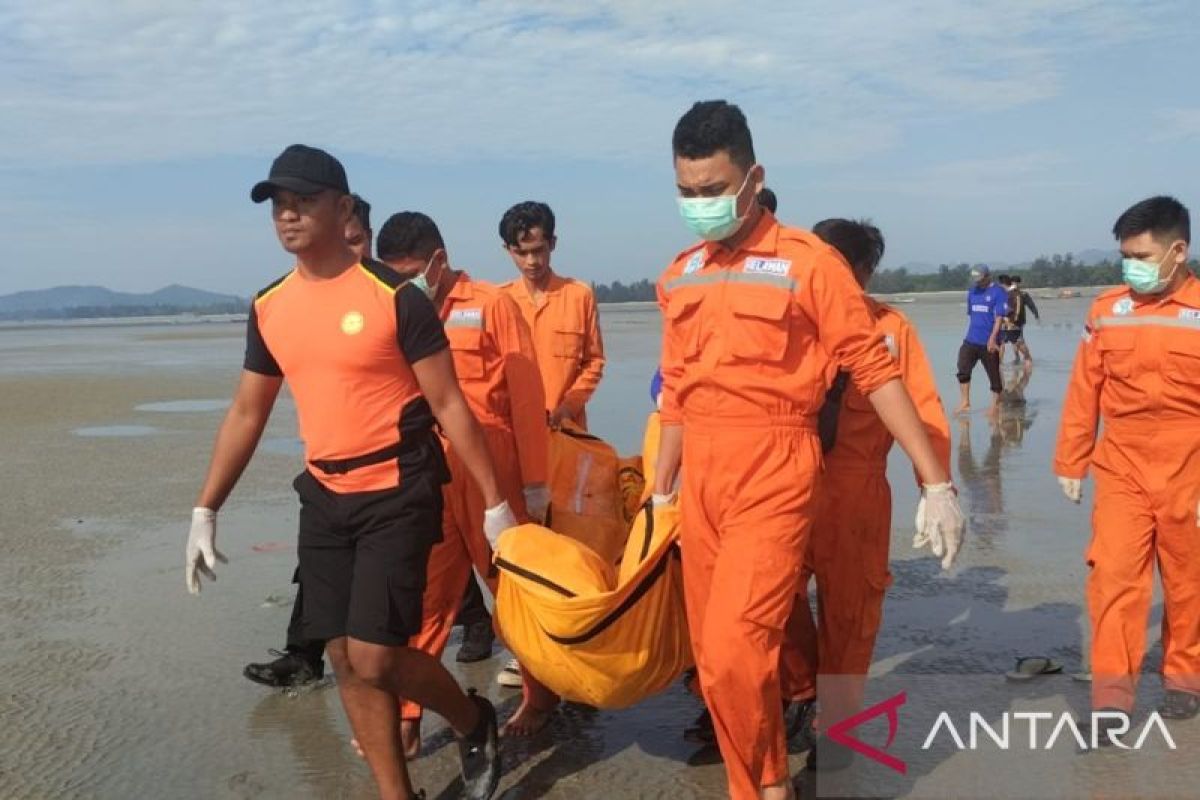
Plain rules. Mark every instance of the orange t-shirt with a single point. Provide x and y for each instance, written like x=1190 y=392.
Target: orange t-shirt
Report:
x=345 y=347
x=497 y=369
x=752 y=335
x=566 y=337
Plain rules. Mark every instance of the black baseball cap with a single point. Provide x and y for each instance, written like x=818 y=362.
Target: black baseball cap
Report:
x=303 y=170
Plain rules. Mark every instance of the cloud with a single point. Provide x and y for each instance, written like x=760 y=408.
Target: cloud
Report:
x=135 y=81
x=1178 y=123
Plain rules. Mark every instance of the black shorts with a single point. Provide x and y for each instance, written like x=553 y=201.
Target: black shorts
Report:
x=971 y=354
x=363 y=555
x=1010 y=335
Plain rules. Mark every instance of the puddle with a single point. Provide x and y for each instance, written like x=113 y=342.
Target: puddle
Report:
x=116 y=430
x=175 y=406
x=282 y=446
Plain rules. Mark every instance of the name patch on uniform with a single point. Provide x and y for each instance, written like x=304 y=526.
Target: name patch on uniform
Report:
x=1123 y=306
x=352 y=323
x=768 y=266
x=1189 y=313
x=696 y=262
x=890 y=341
x=467 y=314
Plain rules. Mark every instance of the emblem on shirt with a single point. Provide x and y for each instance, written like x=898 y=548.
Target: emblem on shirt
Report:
x=352 y=323
x=767 y=266
x=1123 y=307
x=1189 y=313
x=467 y=314
x=890 y=341
x=696 y=262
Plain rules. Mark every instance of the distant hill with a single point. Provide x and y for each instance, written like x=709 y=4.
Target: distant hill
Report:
x=97 y=301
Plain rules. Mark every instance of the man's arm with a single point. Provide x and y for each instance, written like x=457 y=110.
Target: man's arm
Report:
x=439 y=385
x=922 y=388
x=527 y=398
x=1027 y=299
x=238 y=436
x=992 y=344
x=897 y=412
x=1081 y=410
x=591 y=367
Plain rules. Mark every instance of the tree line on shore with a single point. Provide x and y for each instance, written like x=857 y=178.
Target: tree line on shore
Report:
x=1045 y=272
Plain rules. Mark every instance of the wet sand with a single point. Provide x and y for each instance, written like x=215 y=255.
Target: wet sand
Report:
x=117 y=684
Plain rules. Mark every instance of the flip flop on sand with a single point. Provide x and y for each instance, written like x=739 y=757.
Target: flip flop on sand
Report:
x=1030 y=667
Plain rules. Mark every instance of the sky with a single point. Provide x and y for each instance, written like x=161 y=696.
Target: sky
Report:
x=985 y=131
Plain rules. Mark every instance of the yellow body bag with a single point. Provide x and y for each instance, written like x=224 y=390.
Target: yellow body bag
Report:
x=588 y=631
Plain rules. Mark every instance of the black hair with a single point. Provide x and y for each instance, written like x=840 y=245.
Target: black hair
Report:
x=361 y=212
x=768 y=200
x=524 y=217
x=1016 y=279
x=1004 y=280
x=859 y=242
x=1164 y=217
x=409 y=234
x=711 y=126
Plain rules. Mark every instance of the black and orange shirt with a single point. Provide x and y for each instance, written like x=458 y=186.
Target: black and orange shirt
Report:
x=345 y=347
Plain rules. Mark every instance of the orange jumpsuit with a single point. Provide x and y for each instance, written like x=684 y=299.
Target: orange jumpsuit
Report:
x=566 y=338
x=1138 y=371
x=848 y=547
x=493 y=358
x=750 y=342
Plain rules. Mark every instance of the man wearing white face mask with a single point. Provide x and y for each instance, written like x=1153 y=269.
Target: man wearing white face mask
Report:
x=758 y=317
x=1137 y=378
x=494 y=359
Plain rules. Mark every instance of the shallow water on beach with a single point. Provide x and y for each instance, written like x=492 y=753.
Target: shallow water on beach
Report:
x=117 y=684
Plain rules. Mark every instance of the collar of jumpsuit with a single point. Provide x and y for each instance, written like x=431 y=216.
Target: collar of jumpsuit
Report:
x=553 y=287
x=763 y=238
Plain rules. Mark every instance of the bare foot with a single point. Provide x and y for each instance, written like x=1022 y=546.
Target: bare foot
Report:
x=410 y=739
x=965 y=408
x=528 y=721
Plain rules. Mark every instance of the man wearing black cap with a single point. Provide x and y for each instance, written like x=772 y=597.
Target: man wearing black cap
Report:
x=368 y=364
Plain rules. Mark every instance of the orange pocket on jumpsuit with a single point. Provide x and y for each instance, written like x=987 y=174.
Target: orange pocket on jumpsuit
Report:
x=761 y=320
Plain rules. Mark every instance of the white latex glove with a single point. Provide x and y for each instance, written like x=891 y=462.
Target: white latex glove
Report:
x=201 y=553
x=940 y=522
x=537 y=501
x=496 y=520
x=1073 y=489
x=658 y=500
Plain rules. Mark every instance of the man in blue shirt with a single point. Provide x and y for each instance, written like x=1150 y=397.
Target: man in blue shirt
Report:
x=987 y=305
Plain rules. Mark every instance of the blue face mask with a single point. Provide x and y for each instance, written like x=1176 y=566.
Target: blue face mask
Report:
x=713 y=218
x=1143 y=276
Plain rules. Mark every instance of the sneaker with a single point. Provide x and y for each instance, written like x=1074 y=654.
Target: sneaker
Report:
x=479 y=752
x=1177 y=704
x=476 y=643
x=510 y=676
x=288 y=669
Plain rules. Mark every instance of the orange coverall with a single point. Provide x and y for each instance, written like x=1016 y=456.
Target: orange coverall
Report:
x=1138 y=371
x=566 y=338
x=750 y=342
x=848 y=547
x=494 y=361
